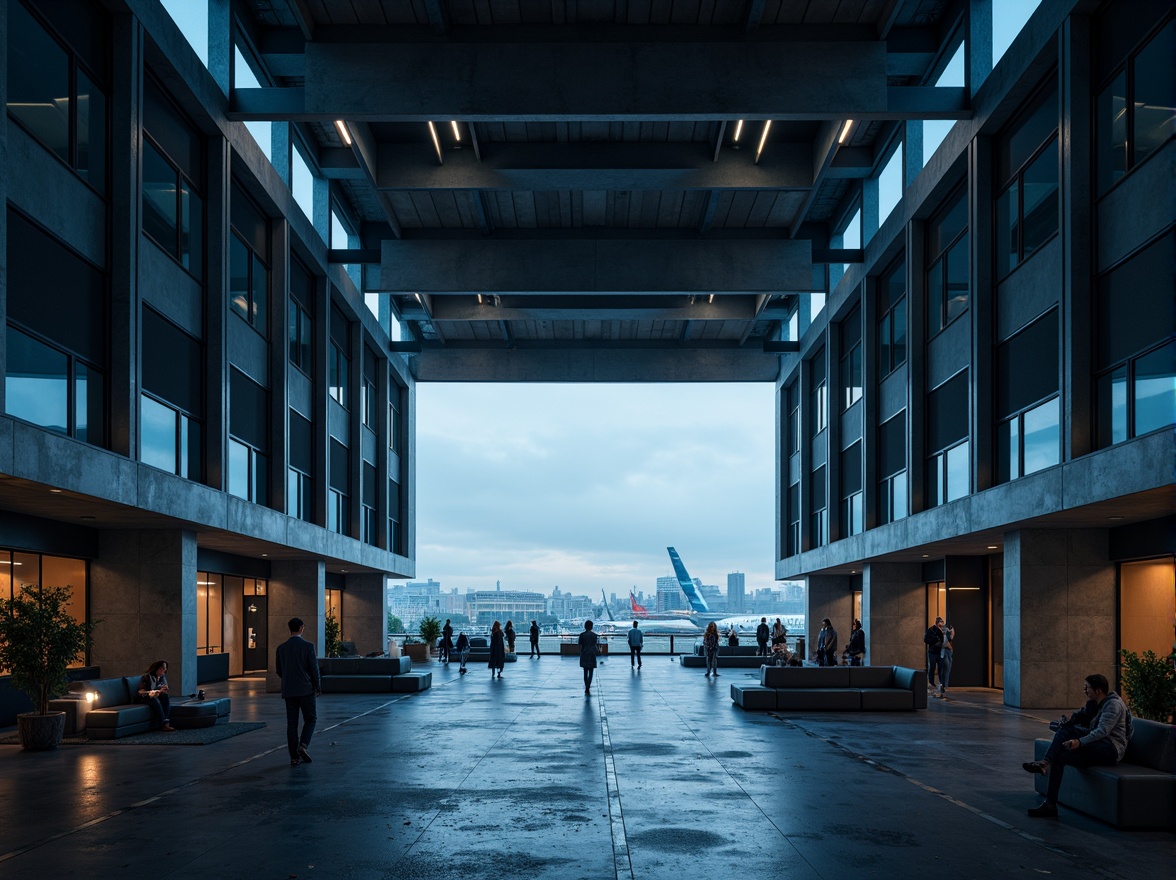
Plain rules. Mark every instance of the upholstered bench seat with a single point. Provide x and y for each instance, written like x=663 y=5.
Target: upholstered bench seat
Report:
x=836 y=688
x=411 y=682
x=201 y=713
x=361 y=675
x=753 y=696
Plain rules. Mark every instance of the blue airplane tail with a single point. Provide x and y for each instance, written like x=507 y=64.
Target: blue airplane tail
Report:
x=697 y=603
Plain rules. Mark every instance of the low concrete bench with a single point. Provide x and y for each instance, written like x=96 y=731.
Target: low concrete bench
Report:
x=412 y=682
x=834 y=688
x=1138 y=792
x=361 y=675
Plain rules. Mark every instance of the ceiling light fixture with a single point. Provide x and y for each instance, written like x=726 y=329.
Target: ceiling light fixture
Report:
x=710 y=299
x=738 y=131
x=925 y=555
x=456 y=130
x=436 y=142
x=841 y=138
x=54 y=491
x=341 y=127
x=480 y=299
x=763 y=140
x=992 y=547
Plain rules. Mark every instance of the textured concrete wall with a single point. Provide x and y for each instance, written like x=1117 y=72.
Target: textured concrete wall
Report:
x=143 y=590
x=894 y=612
x=828 y=596
x=1059 y=607
x=296 y=589
x=365 y=612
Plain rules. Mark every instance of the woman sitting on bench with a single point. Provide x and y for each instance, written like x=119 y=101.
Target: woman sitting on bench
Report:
x=153 y=692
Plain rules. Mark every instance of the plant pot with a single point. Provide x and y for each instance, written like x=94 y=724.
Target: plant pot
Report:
x=40 y=733
x=417 y=653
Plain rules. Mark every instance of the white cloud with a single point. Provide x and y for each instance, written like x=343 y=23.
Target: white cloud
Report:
x=585 y=486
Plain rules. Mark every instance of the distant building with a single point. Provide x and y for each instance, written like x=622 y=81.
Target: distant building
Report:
x=670 y=596
x=565 y=606
x=487 y=606
x=715 y=599
x=735 y=585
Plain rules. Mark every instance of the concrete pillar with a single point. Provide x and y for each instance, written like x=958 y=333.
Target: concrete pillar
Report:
x=1059 y=615
x=296 y=589
x=143 y=592
x=828 y=596
x=894 y=610
x=365 y=612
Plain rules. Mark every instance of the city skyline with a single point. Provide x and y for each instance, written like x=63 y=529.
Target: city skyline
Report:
x=584 y=486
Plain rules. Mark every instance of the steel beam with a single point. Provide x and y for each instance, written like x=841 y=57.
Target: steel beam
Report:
x=597 y=266
x=592 y=308
x=454 y=364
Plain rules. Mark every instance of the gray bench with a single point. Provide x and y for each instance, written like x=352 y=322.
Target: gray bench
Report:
x=192 y=714
x=834 y=688
x=361 y=675
x=1138 y=792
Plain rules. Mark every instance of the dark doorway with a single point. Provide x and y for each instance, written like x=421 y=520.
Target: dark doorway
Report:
x=966 y=612
x=256 y=641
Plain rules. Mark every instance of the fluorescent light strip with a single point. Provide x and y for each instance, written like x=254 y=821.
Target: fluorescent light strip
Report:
x=738 y=131
x=763 y=140
x=436 y=142
x=841 y=138
x=341 y=127
x=456 y=130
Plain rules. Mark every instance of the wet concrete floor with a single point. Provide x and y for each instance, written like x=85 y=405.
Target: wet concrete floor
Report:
x=656 y=775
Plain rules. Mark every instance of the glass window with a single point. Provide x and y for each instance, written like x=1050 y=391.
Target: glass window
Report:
x=1134 y=109
x=935 y=130
x=248 y=285
x=1042 y=433
x=157 y=435
x=890 y=184
x=159 y=199
x=948 y=285
x=91 y=133
x=892 y=323
x=1155 y=389
x=1112 y=407
x=36 y=384
x=301 y=182
x=394 y=424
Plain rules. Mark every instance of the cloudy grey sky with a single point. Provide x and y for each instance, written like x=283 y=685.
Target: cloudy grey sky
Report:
x=584 y=486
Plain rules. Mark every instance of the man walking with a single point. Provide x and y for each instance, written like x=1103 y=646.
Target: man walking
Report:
x=762 y=634
x=1097 y=734
x=297 y=667
x=534 y=639
x=446 y=641
x=636 y=641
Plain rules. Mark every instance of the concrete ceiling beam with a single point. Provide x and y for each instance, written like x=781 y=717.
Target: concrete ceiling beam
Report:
x=597 y=266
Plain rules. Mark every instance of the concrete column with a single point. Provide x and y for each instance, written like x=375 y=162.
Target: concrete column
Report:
x=4 y=173
x=894 y=608
x=296 y=589
x=143 y=590
x=220 y=42
x=1059 y=615
x=365 y=612
x=828 y=596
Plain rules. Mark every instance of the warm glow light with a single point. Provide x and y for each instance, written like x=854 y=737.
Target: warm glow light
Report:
x=479 y=299
x=341 y=127
x=91 y=696
x=456 y=130
x=738 y=131
x=845 y=131
x=763 y=140
x=418 y=298
x=991 y=546
x=710 y=299
x=436 y=141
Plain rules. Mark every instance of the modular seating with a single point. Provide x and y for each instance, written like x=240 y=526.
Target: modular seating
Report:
x=361 y=675
x=735 y=657
x=834 y=688
x=114 y=714
x=480 y=652
x=1138 y=792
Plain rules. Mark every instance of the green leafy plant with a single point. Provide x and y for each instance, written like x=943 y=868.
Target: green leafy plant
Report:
x=395 y=624
x=39 y=638
x=413 y=640
x=430 y=630
x=332 y=635
x=1149 y=682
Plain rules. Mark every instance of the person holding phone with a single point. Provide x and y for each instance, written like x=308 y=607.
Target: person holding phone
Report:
x=153 y=692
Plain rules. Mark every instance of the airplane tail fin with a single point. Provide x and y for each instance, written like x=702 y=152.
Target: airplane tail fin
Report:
x=697 y=602
x=637 y=609
x=607 y=610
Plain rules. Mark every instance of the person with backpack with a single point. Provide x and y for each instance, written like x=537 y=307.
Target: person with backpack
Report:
x=1095 y=735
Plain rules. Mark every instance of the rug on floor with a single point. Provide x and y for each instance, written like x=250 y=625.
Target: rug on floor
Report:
x=197 y=737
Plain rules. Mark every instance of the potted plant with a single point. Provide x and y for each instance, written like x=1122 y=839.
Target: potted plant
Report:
x=416 y=649
x=332 y=635
x=1150 y=684
x=39 y=638
x=430 y=630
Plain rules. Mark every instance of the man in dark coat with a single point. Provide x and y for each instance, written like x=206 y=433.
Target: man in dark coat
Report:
x=535 y=639
x=762 y=634
x=297 y=667
x=933 y=639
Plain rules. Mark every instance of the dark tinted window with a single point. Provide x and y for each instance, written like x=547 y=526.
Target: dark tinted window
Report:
x=169 y=128
x=173 y=363
x=947 y=413
x=1027 y=366
x=948 y=223
x=1036 y=122
x=38 y=81
x=1135 y=304
x=851 y=470
x=301 y=443
x=340 y=475
x=248 y=410
x=892 y=446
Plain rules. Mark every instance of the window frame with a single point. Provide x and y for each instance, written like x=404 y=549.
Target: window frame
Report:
x=939 y=263
x=72 y=360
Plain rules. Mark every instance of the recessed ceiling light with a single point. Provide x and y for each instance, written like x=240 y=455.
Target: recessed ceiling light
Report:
x=1114 y=517
x=341 y=127
x=738 y=131
x=992 y=547
x=55 y=491
x=264 y=555
x=925 y=555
